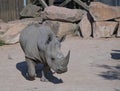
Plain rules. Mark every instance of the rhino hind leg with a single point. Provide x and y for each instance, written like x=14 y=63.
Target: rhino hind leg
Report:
x=31 y=69
x=45 y=74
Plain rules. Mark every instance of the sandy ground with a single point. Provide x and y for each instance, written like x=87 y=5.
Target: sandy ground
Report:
x=94 y=66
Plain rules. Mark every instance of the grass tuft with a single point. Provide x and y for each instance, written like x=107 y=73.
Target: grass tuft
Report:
x=2 y=43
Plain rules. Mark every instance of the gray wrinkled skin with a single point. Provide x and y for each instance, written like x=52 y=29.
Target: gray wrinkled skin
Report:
x=40 y=45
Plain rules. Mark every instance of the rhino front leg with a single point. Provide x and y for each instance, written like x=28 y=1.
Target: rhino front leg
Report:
x=31 y=69
x=45 y=74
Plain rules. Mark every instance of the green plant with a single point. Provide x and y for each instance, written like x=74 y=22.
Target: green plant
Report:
x=2 y=43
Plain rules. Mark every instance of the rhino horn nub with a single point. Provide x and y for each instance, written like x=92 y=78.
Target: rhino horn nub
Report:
x=66 y=59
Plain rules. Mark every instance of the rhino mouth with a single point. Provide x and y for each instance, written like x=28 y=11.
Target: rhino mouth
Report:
x=60 y=71
x=64 y=64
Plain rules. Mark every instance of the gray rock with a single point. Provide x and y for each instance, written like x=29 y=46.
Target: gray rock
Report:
x=1 y=21
x=68 y=29
x=100 y=11
x=63 y=14
x=104 y=29
x=117 y=19
x=118 y=31
x=3 y=28
x=9 y=32
x=12 y=34
x=85 y=27
x=30 y=11
x=62 y=28
x=54 y=25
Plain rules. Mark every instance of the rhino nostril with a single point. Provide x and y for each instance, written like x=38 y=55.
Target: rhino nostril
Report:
x=59 y=70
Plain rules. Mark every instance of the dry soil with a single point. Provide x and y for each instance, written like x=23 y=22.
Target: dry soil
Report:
x=94 y=66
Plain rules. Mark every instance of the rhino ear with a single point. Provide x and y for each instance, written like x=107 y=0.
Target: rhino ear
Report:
x=61 y=39
x=49 y=39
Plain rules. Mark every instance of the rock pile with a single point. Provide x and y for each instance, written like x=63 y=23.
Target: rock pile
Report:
x=106 y=20
x=9 y=32
x=101 y=21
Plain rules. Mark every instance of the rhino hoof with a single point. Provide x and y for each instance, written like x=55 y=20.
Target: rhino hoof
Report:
x=44 y=80
x=30 y=78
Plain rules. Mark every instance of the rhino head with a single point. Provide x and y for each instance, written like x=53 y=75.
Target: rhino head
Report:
x=54 y=56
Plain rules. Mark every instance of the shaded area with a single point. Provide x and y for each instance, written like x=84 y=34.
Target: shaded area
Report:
x=52 y=78
x=22 y=67
x=113 y=72
x=116 y=54
x=49 y=76
x=117 y=89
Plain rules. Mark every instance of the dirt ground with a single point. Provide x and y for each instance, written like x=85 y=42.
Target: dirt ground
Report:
x=94 y=66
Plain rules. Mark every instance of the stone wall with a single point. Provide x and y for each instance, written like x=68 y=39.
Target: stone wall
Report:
x=101 y=21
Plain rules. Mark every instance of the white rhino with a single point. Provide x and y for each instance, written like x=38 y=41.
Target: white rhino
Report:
x=41 y=45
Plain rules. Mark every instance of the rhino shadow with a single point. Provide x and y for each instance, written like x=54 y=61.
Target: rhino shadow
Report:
x=115 y=54
x=112 y=73
x=50 y=76
x=22 y=67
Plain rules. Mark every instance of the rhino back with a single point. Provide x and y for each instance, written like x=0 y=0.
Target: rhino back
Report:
x=29 y=39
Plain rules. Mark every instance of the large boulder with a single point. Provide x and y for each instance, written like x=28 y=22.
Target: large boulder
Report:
x=62 y=28
x=63 y=14
x=9 y=32
x=11 y=36
x=69 y=29
x=30 y=11
x=54 y=25
x=1 y=20
x=3 y=28
x=118 y=32
x=100 y=11
x=117 y=19
x=104 y=29
x=85 y=26
x=27 y=20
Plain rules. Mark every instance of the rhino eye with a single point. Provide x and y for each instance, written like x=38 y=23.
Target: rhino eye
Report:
x=52 y=59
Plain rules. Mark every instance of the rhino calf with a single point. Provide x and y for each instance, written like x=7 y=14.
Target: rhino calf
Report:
x=40 y=45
